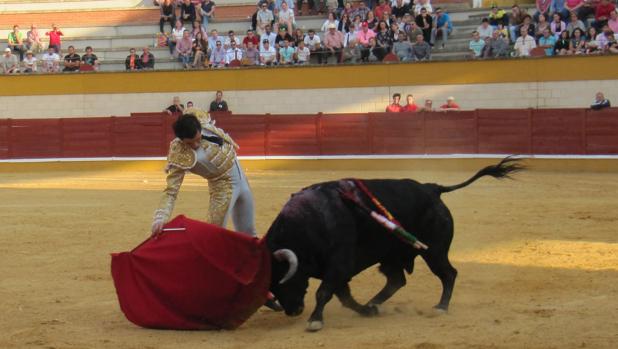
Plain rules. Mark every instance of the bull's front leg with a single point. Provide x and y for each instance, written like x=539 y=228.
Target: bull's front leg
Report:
x=322 y=296
x=345 y=296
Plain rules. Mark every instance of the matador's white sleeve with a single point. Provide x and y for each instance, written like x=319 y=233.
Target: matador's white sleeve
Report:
x=175 y=176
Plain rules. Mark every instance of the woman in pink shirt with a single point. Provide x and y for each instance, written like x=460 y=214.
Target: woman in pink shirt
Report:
x=33 y=40
x=184 y=48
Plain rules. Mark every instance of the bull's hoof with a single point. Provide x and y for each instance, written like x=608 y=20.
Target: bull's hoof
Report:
x=440 y=309
x=314 y=326
x=370 y=310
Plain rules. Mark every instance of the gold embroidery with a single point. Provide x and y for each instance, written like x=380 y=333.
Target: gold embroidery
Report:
x=201 y=115
x=180 y=155
x=220 y=190
x=166 y=204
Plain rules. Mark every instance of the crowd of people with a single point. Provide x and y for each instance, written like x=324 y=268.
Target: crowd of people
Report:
x=554 y=27
x=411 y=106
x=362 y=33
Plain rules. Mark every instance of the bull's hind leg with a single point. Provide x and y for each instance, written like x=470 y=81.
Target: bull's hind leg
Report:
x=442 y=268
x=395 y=279
x=345 y=296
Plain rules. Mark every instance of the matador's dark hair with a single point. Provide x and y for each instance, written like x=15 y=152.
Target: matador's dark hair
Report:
x=186 y=126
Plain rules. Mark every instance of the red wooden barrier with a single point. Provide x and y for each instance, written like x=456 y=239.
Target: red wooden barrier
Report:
x=501 y=131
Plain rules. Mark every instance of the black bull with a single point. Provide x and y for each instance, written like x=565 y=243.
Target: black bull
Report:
x=319 y=234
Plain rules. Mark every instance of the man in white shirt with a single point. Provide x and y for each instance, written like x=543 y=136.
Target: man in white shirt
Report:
x=231 y=36
x=485 y=30
x=269 y=36
x=268 y=55
x=314 y=44
x=50 y=61
x=302 y=53
x=524 y=44
x=233 y=53
x=349 y=36
x=264 y=18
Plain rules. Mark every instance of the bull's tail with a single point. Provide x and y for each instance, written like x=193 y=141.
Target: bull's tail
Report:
x=504 y=169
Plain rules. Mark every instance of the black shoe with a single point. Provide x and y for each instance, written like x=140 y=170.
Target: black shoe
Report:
x=273 y=305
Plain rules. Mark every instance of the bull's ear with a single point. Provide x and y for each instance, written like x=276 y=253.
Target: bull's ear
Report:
x=289 y=256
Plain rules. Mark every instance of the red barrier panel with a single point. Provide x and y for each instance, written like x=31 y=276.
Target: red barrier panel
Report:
x=35 y=138
x=5 y=126
x=139 y=136
x=452 y=132
x=558 y=131
x=292 y=135
x=346 y=134
x=87 y=137
x=504 y=131
x=246 y=130
x=602 y=131
x=407 y=138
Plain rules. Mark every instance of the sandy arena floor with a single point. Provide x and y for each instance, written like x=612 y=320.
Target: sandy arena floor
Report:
x=537 y=261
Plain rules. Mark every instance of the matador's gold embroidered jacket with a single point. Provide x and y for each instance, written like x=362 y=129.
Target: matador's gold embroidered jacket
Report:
x=182 y=158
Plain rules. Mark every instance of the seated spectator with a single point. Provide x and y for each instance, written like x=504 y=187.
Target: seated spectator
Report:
x=361 y=11
x=54 y=38
x=188 y=13
x=425 y=23
x=268 y=55
x=212 y=40
x=410 y=107
x=217 y=56
x=420 y=5
x=600 y=102
x=516 y=18
x=264 y=18
x=132 y=61
x=72 y=60
x=283 y=35
x=592 y=45
x=529 y=26
x=485 y=30
x=167 y=13
x=383 y=7
x=218 y=104
x=572 y=7
x=50 y=61
x=402 y=48
x=421 y=51
x=184 y=49
x=476 y=45
x=442 y=28
x=613 y=21
x=199 y=51
x=33 y=40
x=175 y=108
x=333 y=42
x=231 y=36
x=602 y=14
x=16 y=42
x=234 y=53
x=250 y=37
x=563 y=44
x=394 y=107
x=286 y=53
x=207 y=12
x=302 y=53
x=351 y=52
x=270 y=36
x=90 y=59
x=176 y=36
x=499 y=16
x=577 y=43
x=541 y=25
x=364 y=37
x=612 y=43
x=547 y=41
x=251 y=55
x=350 y=35
x=147 y=59
x=9 y=62
x=558 y=6
x=450 y=105
x=29 y=63
x=286 y=17
x=497 y=46
x=575 y=23
x=376 y=53
x=524 y=44
x=602 y=38
x=314 y=44
x=400 y=9
x=557 y=25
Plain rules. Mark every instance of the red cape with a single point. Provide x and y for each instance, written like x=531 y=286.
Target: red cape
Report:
x=205 y=277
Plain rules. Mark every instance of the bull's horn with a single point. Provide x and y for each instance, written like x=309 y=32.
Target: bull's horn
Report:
x=287 y=255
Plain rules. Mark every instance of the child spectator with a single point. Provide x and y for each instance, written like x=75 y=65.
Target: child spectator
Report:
x=51 y=61
x=72 y=60
x=54 y=38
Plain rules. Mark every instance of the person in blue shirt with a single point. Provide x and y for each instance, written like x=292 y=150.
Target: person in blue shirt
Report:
x=476 y=45
x=442 y=27
x=547 y=41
